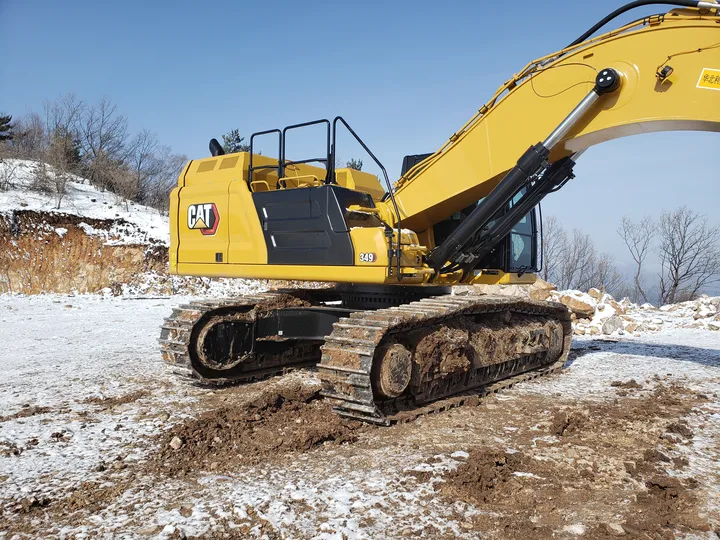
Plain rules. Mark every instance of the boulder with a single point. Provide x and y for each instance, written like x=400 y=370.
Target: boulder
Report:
x=582 y=308
x=632 y=326
x=541 y=290
x=612 y=324
x=618 y=307
x=595 y=293
x=704 y=311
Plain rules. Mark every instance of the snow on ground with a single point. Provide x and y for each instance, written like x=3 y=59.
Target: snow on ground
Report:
x=85 y=200
x=91 y=367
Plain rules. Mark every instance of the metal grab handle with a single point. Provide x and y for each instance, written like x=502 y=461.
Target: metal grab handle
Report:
x=398 y=221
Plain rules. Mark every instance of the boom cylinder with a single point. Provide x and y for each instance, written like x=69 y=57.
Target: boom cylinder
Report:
x=529 y=164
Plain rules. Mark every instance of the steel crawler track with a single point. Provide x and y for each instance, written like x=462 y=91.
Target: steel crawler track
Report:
x=177 y=340
x=348 y=355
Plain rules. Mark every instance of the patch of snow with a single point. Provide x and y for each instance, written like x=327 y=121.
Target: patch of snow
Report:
x=85 y=200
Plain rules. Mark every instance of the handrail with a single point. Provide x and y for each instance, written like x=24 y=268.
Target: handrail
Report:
x=387 y=183
x=278 y=167
x=326 y=160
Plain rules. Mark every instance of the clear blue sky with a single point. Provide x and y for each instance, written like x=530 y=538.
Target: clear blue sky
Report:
x=405 y=74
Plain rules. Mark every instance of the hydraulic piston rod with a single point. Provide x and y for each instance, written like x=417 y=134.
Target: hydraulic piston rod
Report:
x=530 y=164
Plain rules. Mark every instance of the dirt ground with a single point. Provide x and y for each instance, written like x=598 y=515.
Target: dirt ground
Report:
x=624 y=442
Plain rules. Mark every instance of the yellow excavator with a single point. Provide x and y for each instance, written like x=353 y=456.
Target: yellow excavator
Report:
x=389 y=337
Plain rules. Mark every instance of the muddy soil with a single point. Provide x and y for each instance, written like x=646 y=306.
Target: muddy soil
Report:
x=600 y=466
x=280 y=421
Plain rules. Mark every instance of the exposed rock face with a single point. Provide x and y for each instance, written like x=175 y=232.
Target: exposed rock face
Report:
x=50 y=252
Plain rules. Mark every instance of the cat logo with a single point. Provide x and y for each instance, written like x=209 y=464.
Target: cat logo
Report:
x=204 y=217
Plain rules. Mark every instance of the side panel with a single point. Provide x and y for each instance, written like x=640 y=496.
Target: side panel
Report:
x=247 y=243
x=307 y=225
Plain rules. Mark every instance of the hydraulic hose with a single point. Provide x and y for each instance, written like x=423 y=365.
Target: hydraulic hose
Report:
x=640 y=3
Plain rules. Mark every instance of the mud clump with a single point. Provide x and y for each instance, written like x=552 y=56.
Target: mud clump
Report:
x=655 y=455
x=26 y=412
x=681 y=429
x=286 y=299
x=483 y=473
x=291 y=419
x=632 y=384
x=566 y=423
x=668 y=506
x=114 y=401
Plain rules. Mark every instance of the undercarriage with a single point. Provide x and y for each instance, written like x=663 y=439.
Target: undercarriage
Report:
x=383 y=355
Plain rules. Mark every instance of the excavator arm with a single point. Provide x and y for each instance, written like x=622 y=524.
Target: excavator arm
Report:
x=666 y=70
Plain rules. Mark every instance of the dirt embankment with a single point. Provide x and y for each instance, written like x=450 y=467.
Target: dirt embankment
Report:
x=49 y=252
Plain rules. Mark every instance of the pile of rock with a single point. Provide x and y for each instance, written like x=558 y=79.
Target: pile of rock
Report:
x=598 y=313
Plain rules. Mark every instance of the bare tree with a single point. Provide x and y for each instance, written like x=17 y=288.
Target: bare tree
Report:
x=103 y=135
x=573 y=262
x=29 y=141
x=638 y=238
x=689 y=250
x=124 y=183
x=165 y=168
x=554 y=239
x=42 y=180
x=577 y=261
x=605 y=275
x=92 y=141
x=8 y=173
x=61 y=118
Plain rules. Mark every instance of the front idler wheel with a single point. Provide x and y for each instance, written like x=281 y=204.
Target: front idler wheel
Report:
x=393 y=371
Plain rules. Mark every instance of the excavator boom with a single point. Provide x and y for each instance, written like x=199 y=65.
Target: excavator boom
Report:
x=527 y=108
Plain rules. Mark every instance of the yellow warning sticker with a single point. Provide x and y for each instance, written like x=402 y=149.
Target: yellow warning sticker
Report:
x=710 y=79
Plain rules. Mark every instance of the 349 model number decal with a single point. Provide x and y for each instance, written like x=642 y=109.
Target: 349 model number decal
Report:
x=368 y=257
x=203 y=217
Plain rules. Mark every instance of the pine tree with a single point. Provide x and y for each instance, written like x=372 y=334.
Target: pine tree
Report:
x=233 y=142
x=6 y=127
x=354 y=164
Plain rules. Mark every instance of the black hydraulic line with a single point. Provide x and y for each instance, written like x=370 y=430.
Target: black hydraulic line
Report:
x=557 y=174
x=530 y=162
x=628 y=7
